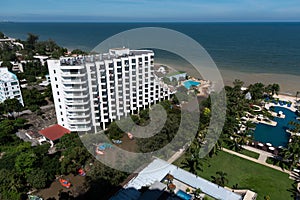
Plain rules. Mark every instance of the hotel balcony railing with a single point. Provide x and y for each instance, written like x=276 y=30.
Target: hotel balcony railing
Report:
x=76 y=102
x=78 y=116
x=78 y=122
x=76 y=96
x=75 y=89
x=77 y=108
x=74 y=81
x=67 y=74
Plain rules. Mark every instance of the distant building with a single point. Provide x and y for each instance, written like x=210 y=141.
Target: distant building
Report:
x=17 y=67
x=43 y=59
x=9 y=86
x=92 y=91
x=178 y=76
x=46 y=82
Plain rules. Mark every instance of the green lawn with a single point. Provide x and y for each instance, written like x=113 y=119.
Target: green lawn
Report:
x=248 y=175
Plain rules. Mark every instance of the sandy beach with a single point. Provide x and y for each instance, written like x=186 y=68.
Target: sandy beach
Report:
x=289 y=84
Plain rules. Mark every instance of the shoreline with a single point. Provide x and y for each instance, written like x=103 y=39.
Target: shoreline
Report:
x=289 y=84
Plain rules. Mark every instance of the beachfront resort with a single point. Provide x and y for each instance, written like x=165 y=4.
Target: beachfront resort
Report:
x=90 y=88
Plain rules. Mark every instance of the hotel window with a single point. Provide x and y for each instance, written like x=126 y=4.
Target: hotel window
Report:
x=56 y=86
x=119 y=63
x=133 y=60
x=54 y=71
x=55 y=79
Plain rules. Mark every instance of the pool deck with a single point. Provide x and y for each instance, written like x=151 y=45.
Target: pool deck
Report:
x=275 y=114
x=293 y=107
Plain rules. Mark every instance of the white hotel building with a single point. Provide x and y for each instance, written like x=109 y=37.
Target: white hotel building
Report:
x=92 y=91
x=9 y=86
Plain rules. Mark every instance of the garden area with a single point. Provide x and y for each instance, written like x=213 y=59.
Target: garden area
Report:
x=244 y=174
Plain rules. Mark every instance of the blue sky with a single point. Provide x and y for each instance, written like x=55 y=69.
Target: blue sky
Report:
x=150 y=10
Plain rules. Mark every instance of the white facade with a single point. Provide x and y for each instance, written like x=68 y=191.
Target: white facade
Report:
x=92 y=91
x=9 y=86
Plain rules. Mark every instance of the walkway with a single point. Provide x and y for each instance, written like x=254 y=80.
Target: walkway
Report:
x=259 y=161
x=176 y=155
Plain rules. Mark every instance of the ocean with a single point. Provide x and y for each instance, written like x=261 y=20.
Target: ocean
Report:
x=266 y=52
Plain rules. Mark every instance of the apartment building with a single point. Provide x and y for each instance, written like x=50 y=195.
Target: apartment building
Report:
x=94 y=90
x=9 y=86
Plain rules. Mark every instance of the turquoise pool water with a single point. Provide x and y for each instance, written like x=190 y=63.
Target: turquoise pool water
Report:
x=183 y=195
x=189 y=83
x=277 y=136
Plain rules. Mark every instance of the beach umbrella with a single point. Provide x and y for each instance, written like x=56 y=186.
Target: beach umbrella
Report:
x=272 y=148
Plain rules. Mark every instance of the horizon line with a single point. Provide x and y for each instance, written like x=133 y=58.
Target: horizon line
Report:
x=246 y=21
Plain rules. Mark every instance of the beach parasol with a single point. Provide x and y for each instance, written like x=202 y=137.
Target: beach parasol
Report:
x=269 y=144
x=272 y=148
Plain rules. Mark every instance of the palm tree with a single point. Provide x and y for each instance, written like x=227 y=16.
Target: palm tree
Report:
x=197 y=193
x=192 y=162
x=296 y=125
x=297 y=93
x=220 y=179
x=295 y=191
x=275 y=89
x=290 y=155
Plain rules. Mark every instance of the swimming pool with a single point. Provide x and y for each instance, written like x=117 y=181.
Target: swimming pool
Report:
x=183 y=195
x=189 y=83
x=277 y=136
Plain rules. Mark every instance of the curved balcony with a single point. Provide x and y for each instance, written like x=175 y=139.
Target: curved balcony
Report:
x=76 y=96
x=76 y=81
x=78 y=109
x=78 y=116
x=67 y=74
x=76 y=66
x=77 y=102
x=75 y=89
x=78 y=122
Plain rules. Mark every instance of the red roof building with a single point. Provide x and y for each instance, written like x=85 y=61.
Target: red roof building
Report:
x=54 y=132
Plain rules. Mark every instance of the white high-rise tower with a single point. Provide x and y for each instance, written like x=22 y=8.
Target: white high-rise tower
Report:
x=92 y=91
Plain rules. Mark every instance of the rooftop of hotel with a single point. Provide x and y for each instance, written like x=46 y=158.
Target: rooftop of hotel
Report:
x=115 y=53
x=158 y=169
x=6 y=76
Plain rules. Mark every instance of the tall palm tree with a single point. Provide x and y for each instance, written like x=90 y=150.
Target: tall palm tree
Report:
x=291 y=154
x=275 y=89
x=297 y=93
x=295 y=191
x=193 y=162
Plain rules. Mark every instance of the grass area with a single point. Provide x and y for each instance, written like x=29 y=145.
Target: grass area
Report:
x=249 y=153
x=248 y=175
